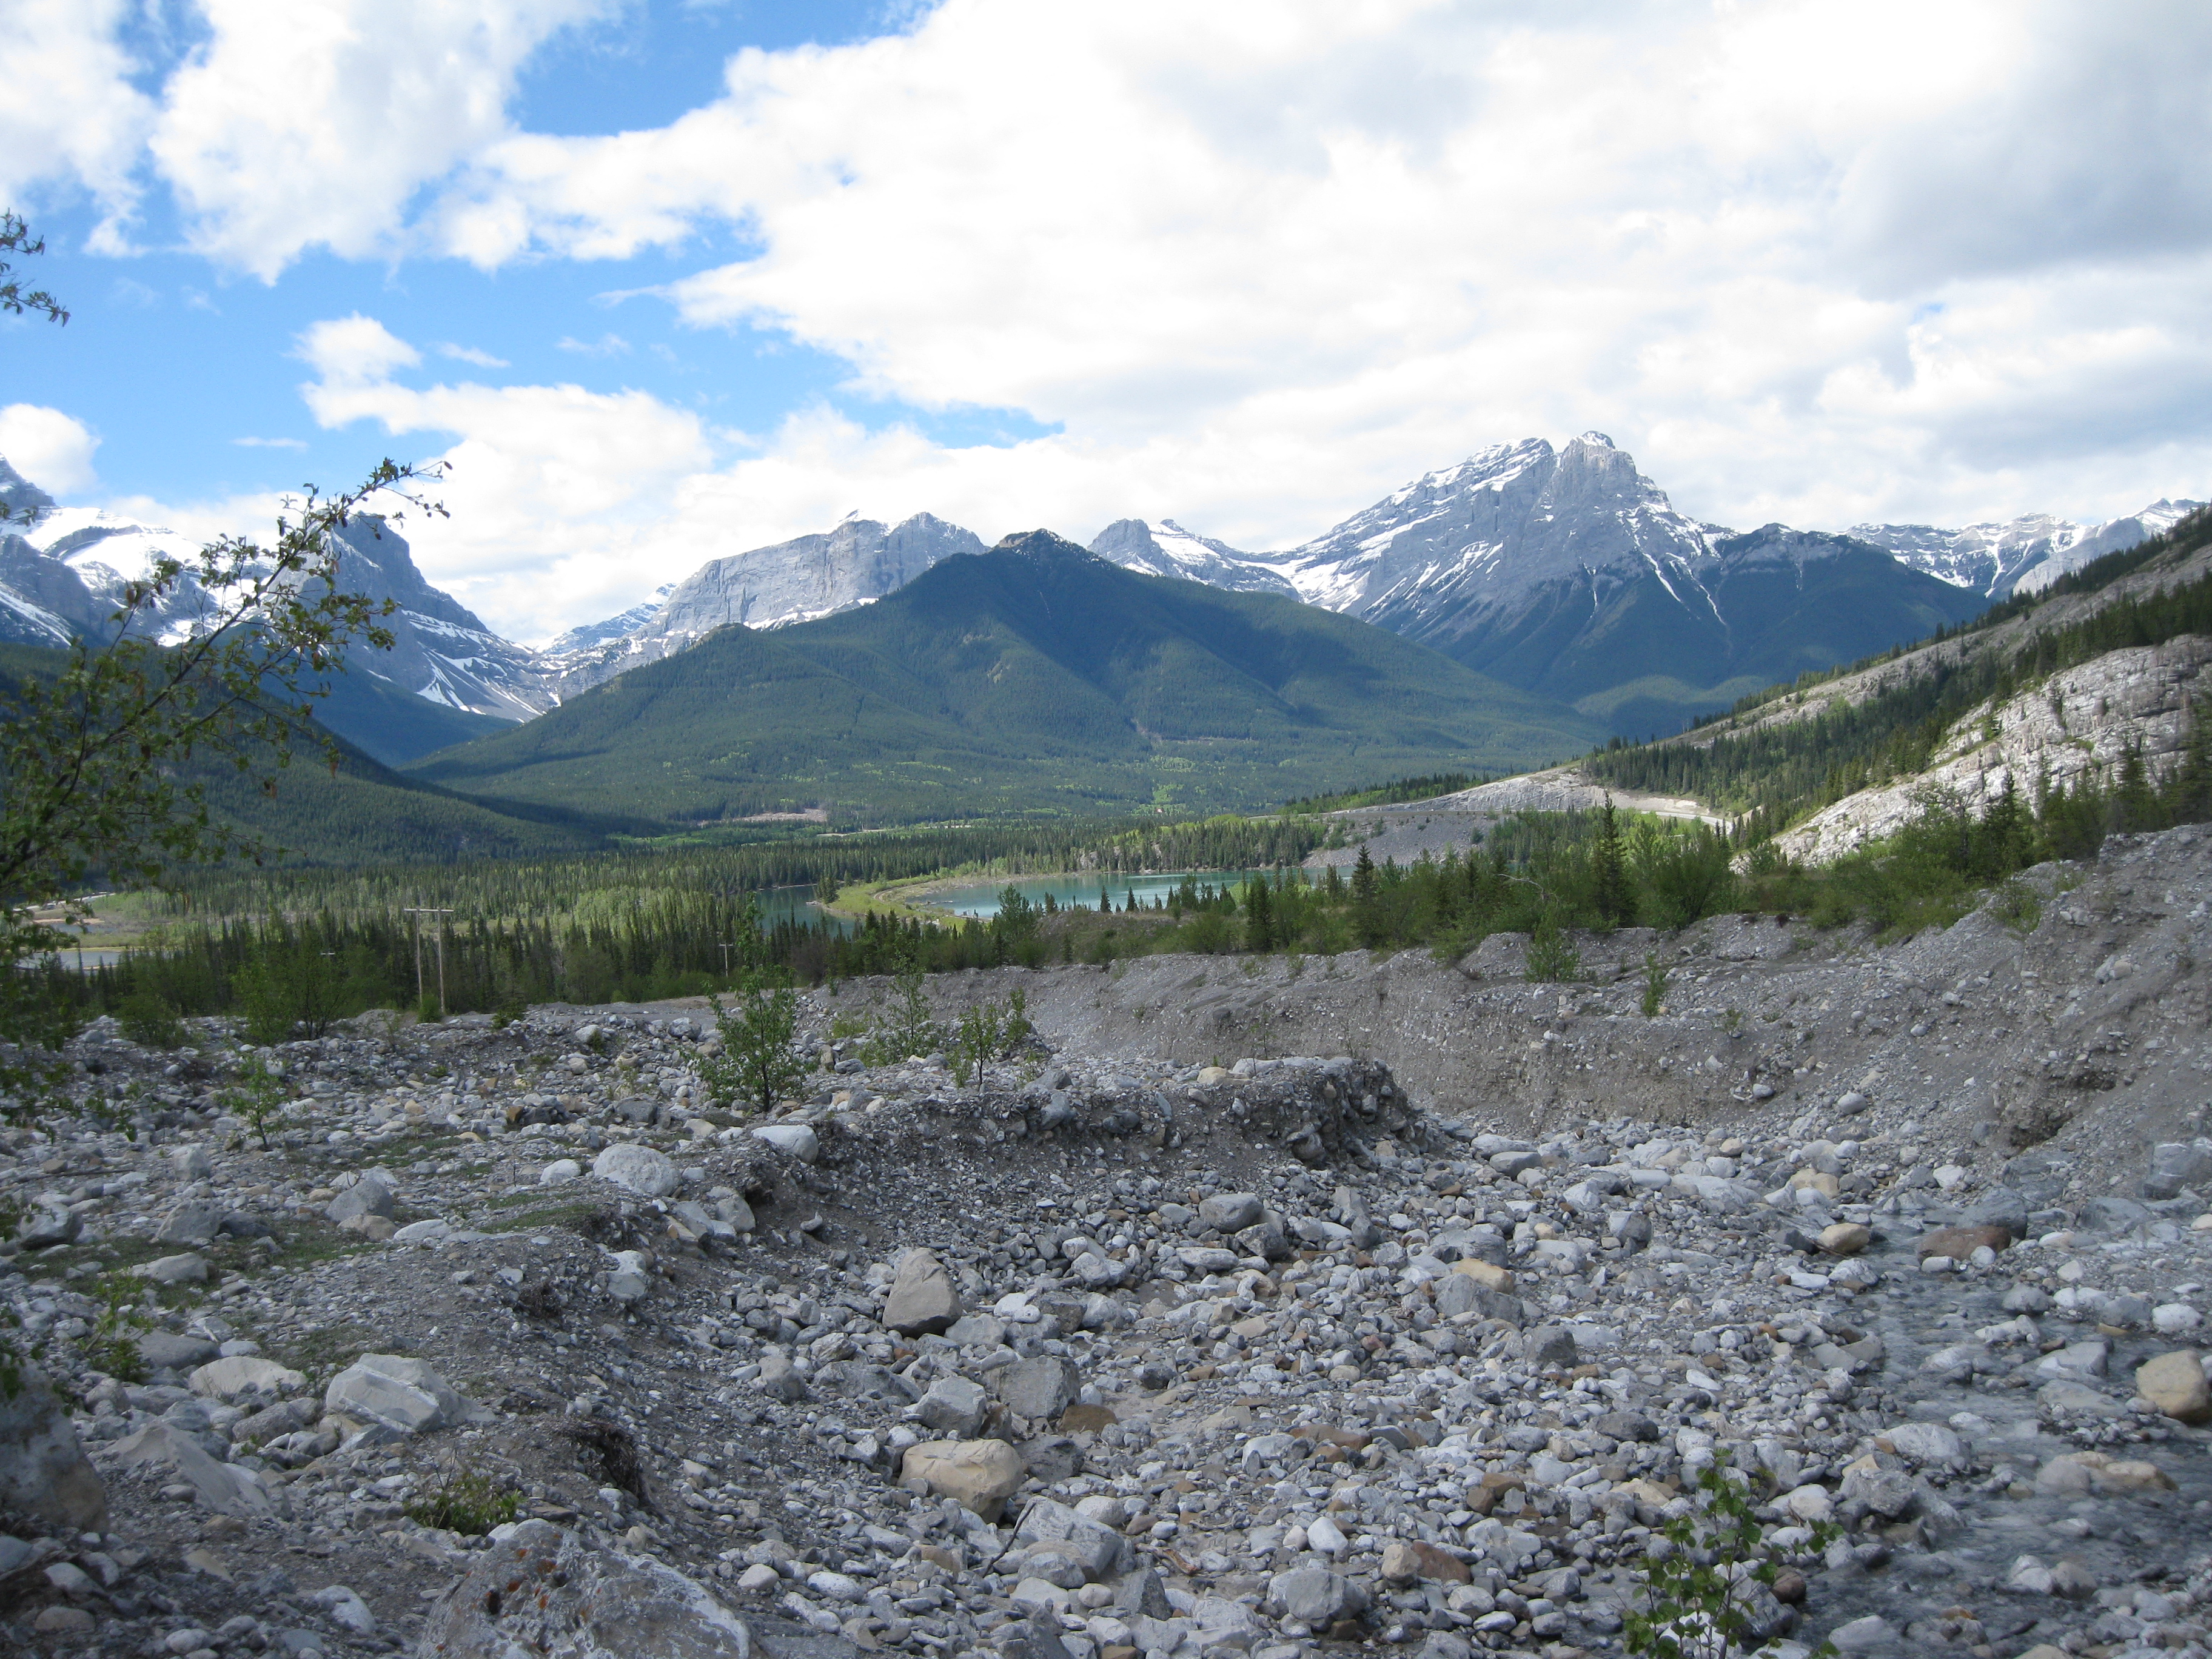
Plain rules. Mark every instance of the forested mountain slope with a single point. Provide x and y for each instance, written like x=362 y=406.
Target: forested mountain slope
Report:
x=1035 y=676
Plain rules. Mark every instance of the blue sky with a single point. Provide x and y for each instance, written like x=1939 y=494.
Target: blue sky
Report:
x=664 y=280
x=189 y=372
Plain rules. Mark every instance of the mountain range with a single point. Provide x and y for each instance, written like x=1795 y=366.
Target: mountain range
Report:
x=1561 y=572
x=1034 y=677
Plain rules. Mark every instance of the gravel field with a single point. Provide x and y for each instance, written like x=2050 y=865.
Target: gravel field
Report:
x=1283 y=1307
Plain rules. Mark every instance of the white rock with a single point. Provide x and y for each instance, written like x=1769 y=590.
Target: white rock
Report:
x=795 y=1139
x=227 y=1379
x=636 y=1168
x=422 y=1232
x=185 y=1269
x=561 y=1170
x=1810 y=1502
x=1325 y=1536
x=396 y=1391
x=1925 y=1442
x=2172 y=1318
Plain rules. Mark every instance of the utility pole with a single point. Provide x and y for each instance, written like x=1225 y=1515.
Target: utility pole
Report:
x=418 y=911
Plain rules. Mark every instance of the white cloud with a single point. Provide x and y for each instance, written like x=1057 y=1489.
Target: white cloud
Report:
x=553 y=489
x=1337 y=244
x=462 y=354
x=314 y=123
x=270 y=443
x=51 y=449
x=607 y=345
x=1259 y=262
x=72 y=118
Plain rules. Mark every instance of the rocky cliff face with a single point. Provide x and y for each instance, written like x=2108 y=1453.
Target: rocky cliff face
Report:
x=806 y=577
x=2078 y=725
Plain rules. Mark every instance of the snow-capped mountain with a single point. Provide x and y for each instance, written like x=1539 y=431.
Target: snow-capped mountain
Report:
x=791 y=581
x=1166 y=549
x=2023 y=555
x=592 y=634
x=63 y=573
x=441 y=651
x=1523 y=558
x=1567 y=571
x=61 y=569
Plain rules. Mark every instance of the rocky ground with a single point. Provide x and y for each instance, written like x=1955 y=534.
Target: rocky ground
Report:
x=1124 y=1352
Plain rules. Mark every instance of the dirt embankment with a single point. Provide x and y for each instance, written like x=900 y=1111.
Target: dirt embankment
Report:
x=2085 y=1028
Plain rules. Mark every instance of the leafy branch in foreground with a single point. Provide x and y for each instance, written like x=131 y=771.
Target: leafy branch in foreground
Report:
x=1707 y=1588
x=16 y=238
x=211 y=660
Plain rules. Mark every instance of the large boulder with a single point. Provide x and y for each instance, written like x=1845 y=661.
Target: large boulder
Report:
x=638 y=1169
x=226 y=1488
x=167 y=1350
x=1039 y=1387
x=955 y=1406
x=399 y=1392
x=1101 y=1552
x=43 y=1470
x=923 y=1300
x=1231 y=1212
x=1314 y=1595
x=193 y=1222
x=2174 y=1383
x=370 y=1195
x=794 y=1140
x=2175 y=1165
x=544 y=1591
x=244 y=1374
x=981 y=1474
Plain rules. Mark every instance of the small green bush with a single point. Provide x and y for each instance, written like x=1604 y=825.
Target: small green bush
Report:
x=1551 y=958
x=148 y=1020
x=1698 y=1580
x=1654 y=984
x=907 y=1029
x=467 y=1501
x=757 y=1066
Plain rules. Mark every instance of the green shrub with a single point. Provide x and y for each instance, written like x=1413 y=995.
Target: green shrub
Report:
x=148 y=1020
x=1654 y=984
x=907 y=1029
x=988 y=1031
x=467 y=1501
x=757 y=1066
x=1551 y=958
x=1696 y=1597
x=258 y=1097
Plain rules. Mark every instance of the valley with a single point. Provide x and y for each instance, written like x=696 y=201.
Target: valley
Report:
x=1236 y=1178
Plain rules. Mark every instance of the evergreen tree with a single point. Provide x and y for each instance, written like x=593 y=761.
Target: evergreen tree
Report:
x=1612 y=893
x=1259 y=917
x=1367 y=901
x=2135 y=803
x=2189 y=792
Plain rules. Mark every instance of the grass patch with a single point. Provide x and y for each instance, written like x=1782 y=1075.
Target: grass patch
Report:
x=467 y=1501
x=546 y=1217
x=318 y=1353
x=309 y=1244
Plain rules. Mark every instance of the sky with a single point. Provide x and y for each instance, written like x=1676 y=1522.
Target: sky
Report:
x=662 y=280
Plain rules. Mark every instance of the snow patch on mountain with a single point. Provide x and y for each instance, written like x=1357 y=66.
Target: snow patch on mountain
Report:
x=2023 y=555
x=1166 y=549
x=792 y=581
